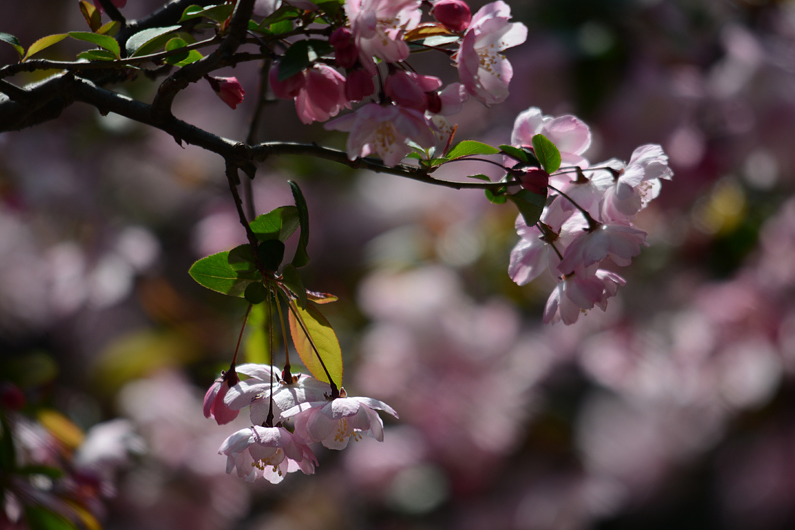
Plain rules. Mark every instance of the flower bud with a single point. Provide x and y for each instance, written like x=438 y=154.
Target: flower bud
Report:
x=228 y=89
x=358 y=85
x=452 y=14
x=345 y=52
x=535 y=180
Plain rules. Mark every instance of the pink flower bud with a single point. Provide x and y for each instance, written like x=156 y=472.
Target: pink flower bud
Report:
x=408 y=89
x=288 y=88
x=345 y=51
x=358 y=85
x=452 y=14
x=535 y=180
x=228 y=89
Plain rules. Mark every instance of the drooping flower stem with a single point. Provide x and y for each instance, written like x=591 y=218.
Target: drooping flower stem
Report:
x=335 y=393
x=270 y=300
x=593 y=224
x=287 y=376
x=240 y=336
x=549 y=237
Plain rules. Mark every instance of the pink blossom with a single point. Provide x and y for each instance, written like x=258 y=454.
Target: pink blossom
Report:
x=383 y=130
x=287 y=89
x=576 y=294
x=214 y=406
x=322 y=96
x=261 y=379
x=345 y=52
x=451 y=99
x=570 y=135
x=266 y=452
x=358 y=85
x=303 y=389
x=482 y=68
x=615 y=241
x=228 y=89
x=378 y=27
x=333 y=423
x=534 y=253
x=409 y=90
x=452 y=14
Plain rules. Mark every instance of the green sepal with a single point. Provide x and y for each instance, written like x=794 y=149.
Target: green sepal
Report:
x=546 y=152
x=530 y=205
x=301 y=257
x=292 y=279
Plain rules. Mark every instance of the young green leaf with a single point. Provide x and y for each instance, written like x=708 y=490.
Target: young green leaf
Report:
x=279 y=223
x=137 y=44
x=301 y=257
x=292 y=279
x=286 y=12
x=301 y=55
x=44 y=42
x=283 y=26
x=97 y=55
x=255 y=293
x=224 y=275
x=530 y=205
x=271 y=254
x=13 y=41
x=523 y=155
x=218 y=13
x=471 y=147
x=546 y=152
x=240 y=255
x=479 y=176
x=175 y=44
x=91 y=14
x=322 y=336
x=110 y=28
x=103 y=41
x=495 y=198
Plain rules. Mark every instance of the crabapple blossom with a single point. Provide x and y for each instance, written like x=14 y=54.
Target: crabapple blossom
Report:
x=452 y=14
x=322 y=96
x=285 y=396
x=358 y=85
x=261 y=378
x=540 y=248
x=570 y=135
x=451 y=99
x=345 y=52
x=384 y=130
x=409 y=90
x=214 y=406
x=615 y=241
x=228 y=89
x=576 y=293
x=378 y=27
x=334 y=422
x=266 y=452
x=483 y=70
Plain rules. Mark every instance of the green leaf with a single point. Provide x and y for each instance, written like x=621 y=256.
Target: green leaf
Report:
x=271 y=254
x=110 y=29
x=137 y=44
x=224 y=275
x=193 y=56
x=530 y=205
x=256 y=348
x=301 y=55
x=279 y=223
x=522 y=154
x=219 y=13
x=97 y=55
x=496 y=198
x=241 y=254
x=44 y=42
x=13 y=41
x=321 y=298
x=91 y=14
x=479 y=176
x=546 y=152
x=285 y=12
x=292 y=279
x=283 y=26
x=323 y=338
x=433 y=162
x=175 y=44
x=40 y=518
x=255 y=293
x=471 y=147
x=330 y=7
x=103 y=41
x=301 y=257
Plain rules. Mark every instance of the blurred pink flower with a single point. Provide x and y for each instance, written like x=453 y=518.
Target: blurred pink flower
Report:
x=333 y=423
x=266 y=452
x=483 y=70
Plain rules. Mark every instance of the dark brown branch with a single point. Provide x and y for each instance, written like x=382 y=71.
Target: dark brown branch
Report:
x=113 y=12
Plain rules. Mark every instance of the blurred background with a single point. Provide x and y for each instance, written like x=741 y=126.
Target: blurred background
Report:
x=673 y=409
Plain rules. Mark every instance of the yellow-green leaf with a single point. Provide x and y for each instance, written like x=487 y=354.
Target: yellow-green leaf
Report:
x=13 y=41
x=44 y=42
x=324 y=339
x=91 y=14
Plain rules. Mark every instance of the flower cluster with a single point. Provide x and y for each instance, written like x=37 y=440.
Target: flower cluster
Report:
x=587 y=221
x=268 y=449
x=409 y=108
